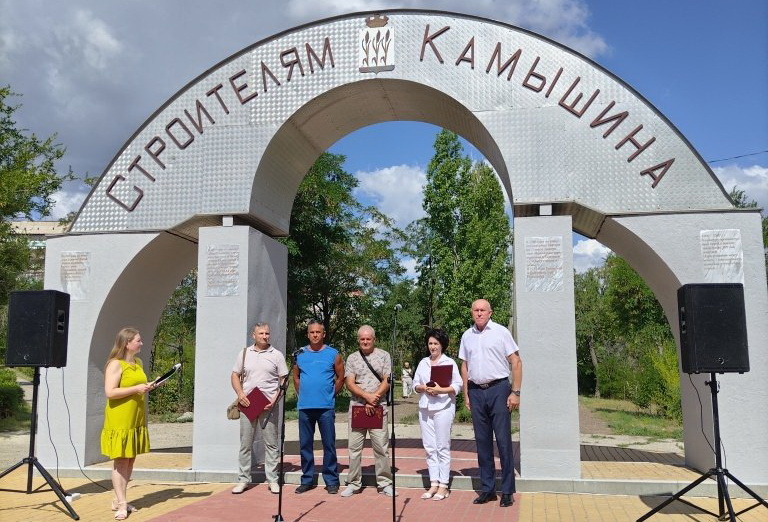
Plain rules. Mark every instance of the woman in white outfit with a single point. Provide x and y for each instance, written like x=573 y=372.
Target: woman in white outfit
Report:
x=437 y=408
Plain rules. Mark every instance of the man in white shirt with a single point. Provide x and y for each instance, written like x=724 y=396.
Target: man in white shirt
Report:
x=486 y=351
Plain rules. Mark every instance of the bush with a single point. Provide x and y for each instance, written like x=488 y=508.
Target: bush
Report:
x=11 y=394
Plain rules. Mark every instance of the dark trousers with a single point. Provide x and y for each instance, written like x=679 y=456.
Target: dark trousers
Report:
x=324 y=418
x=490 y=416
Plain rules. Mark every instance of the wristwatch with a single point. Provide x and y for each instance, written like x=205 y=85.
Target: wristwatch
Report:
x=516 y=392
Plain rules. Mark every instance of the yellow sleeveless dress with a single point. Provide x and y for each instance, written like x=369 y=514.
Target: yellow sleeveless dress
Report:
x=125 y=432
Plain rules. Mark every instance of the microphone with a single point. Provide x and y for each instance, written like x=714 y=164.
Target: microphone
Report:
x=398 y=307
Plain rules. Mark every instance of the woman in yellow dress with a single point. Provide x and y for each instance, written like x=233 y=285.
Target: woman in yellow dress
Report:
x=125 y=432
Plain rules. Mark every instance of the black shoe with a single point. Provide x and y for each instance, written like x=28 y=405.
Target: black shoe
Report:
x=332 y=490
x=304 y=488
x=484 y=497
x=506 y=500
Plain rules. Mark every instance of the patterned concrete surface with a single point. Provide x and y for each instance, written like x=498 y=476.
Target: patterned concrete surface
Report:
x=185 y=502
x=168 y=501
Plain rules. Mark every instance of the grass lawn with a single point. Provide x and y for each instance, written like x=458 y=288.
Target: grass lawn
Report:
x=624 y=418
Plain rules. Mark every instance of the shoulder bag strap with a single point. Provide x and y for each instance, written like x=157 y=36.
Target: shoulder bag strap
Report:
x=374 y=372
x=242 y=370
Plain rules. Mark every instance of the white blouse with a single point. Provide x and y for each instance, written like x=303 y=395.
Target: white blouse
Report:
x=423 y=376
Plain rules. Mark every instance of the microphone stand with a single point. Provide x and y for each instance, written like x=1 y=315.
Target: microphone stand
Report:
x=281 y=476
x=391 y=397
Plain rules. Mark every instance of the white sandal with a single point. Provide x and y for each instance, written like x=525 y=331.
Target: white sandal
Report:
x=431 y=493
x=441 y=496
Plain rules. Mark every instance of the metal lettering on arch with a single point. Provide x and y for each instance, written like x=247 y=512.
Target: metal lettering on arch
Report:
x=570 y=131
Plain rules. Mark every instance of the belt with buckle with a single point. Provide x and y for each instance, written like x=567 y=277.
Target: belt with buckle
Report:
x=486 y=385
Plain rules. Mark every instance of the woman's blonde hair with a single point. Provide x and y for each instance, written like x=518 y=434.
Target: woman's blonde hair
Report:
x=122 y=339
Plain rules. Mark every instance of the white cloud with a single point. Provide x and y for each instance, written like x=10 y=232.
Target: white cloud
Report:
x=409 y=264
x=563 y=20
x=65 y=201
x=396 y=191
x=588 y=253
x=752 y=180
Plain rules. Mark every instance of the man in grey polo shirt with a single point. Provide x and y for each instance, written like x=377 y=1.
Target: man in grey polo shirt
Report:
x=262 y=366
x=486 y=351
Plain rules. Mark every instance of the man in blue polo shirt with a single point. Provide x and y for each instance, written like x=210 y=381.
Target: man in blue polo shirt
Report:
x=487 y=351
x=318 y=376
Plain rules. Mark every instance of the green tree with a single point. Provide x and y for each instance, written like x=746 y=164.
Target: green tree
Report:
x=483 y=241
x=28 y=180
x=174 y=342
x=636 y=354
x=467 y=238
x=340 y=259
x=590 y=324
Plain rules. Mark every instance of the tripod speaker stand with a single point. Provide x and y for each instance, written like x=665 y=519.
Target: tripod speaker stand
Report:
x=718 y=472
x=31 y=461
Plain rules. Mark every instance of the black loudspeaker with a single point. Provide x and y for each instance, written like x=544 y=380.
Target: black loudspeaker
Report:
x=713 y=328
x=38 y=325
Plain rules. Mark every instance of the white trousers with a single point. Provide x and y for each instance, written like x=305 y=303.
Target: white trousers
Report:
x=436 y=437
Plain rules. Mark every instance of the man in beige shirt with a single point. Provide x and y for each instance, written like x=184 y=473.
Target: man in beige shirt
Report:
x=261 y=366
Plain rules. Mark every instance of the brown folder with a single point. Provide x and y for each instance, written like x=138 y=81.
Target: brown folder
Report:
x=442 y=375
x=361 y=420
x=258 y=401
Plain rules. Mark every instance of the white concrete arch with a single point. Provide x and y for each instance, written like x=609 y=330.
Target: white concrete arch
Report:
x=318 y=124
x=121 y=280
x=578 y=135
x=218 y=165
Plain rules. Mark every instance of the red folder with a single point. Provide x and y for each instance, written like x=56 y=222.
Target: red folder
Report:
x=258 y=401
x=361 y=420
x=442 y=375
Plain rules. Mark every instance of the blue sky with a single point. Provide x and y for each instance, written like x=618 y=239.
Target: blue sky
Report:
x=81 y=63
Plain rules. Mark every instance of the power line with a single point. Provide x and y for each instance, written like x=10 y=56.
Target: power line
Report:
x=737 y=157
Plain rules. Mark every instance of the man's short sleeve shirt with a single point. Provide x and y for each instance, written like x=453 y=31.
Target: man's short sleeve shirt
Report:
x=381 y=362
x=263 y=369
x=486 y=352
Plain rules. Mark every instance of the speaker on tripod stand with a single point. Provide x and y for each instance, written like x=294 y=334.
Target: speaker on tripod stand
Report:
x=713 y=339
x=38 y=324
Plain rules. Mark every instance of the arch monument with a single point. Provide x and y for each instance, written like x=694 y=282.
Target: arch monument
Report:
x=209 y=179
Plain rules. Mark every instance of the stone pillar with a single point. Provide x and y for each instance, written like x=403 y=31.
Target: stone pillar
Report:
x=242 y=279
x=546 y=334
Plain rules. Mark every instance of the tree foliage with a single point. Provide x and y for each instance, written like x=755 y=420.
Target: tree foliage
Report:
x=28 y=180
x=339 y=256
x=625 y=348
x=465 y=240
x=175 y=342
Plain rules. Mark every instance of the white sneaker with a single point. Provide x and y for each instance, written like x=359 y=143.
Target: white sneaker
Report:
x=274 y=487
x=239 y=488
x=387 y=490
x=349 y=491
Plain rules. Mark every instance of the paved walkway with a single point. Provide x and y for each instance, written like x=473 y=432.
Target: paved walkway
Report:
x=174 y=501
x=617 y=459
x=186 y=502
